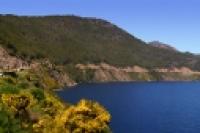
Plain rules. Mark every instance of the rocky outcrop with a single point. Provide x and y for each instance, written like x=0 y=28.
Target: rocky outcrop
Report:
x=105 y=66
x=101 y=72
x=136 y=69
x=184 y=70
x=104 y=72
x=11 y=63
x=62 y=78
x=111 y=75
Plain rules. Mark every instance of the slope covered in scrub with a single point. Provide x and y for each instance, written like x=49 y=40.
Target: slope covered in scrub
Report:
x=68 y=40
x=26 y=108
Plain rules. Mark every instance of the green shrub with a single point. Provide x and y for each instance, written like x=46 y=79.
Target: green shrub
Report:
x=9 y=89
x=23 y=85
x=9 y=124
x=9 y=80
x=38 y=94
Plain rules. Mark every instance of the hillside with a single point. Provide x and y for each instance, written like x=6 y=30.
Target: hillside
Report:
x=27 y=108
x=162 y=45
x=41 y=54
x=73 y=40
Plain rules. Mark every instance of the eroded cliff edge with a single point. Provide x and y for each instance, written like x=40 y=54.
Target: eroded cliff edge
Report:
x=54 y=76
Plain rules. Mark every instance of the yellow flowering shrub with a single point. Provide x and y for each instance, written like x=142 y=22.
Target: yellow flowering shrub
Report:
x=17 y=102
x=31 y=109
x=85 y=117
x=52 y=105
x=48 y=125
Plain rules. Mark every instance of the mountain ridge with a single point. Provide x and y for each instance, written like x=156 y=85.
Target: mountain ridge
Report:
x=162 y=45
x=70 y=40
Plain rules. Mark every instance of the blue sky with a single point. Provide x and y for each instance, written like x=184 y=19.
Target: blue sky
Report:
x=176 y=22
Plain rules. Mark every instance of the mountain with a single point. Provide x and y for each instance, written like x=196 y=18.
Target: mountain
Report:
x=39 y=54
x=162 y=45
x=70 y=40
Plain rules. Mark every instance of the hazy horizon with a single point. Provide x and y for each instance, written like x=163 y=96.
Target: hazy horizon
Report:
x=172 y=22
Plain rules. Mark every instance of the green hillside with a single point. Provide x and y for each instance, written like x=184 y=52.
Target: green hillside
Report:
x=27 y=108
x=72 y=40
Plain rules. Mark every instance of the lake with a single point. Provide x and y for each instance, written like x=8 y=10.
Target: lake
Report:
x=145 y=107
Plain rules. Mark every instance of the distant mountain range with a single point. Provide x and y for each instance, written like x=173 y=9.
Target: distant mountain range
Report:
x=71 y=40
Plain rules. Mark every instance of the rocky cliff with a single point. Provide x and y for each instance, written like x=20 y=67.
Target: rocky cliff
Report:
x=43 y=69
x=105 y=73
x=55 y=76
x=11 y=63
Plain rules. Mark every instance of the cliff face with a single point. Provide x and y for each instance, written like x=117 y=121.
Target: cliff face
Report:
x=45 y=70
x=53 y=76
x=106 y=73
x=53 y=45
x=11 y=63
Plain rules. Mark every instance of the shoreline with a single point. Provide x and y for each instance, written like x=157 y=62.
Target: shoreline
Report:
x=108 y=82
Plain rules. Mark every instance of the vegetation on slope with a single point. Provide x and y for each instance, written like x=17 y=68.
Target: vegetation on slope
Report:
x=67 y=40
x=26 y=108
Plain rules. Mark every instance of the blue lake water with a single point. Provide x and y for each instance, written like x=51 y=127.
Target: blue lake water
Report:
x=145 y=107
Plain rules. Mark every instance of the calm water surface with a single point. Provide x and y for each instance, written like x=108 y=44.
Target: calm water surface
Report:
x=155 y=107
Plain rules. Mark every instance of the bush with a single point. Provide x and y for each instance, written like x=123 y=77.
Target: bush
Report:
x=85 y=117
x=38 y=94
x=9 y=80
x=9 y=89
x=9 y=124
x=34 y=110
x=23 y=85
x=12 y=49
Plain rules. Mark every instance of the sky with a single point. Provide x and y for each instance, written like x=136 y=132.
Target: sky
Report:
x=175 y=22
